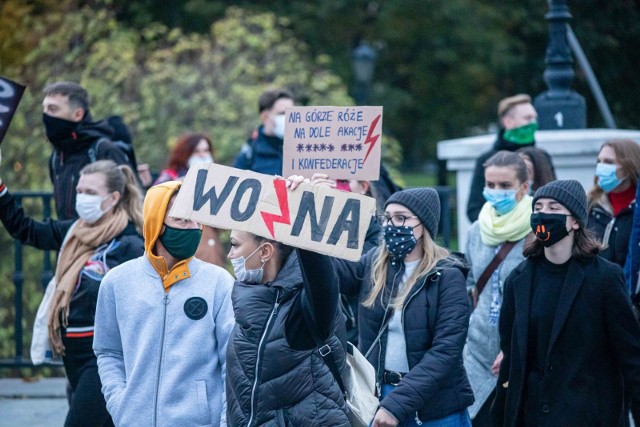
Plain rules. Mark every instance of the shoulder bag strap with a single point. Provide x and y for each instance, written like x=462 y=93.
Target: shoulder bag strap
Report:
x=495 y=262
x=323 y=348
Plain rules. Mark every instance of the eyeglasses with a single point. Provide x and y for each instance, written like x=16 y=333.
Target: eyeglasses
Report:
x=397 y=220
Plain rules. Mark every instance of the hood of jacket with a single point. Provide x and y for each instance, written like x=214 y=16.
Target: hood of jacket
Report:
x=85 y=134
x=153 y=212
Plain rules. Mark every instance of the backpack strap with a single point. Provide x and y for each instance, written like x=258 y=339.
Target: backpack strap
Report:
x=495 y=262
x=324 y=349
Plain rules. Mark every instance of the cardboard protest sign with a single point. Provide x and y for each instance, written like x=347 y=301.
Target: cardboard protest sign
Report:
x=10 y=95
x=318 y=218
x=343 y=142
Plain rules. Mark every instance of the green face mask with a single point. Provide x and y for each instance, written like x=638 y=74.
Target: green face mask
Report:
x=522 y=135
x=179 y=242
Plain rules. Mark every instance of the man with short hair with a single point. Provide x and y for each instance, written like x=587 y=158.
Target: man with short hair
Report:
x=518 y=123
x=262 y=153
x=74 y=136
x=162 y=325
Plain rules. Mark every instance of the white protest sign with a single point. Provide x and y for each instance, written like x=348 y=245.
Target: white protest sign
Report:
x=343 y=142
x=317 y=218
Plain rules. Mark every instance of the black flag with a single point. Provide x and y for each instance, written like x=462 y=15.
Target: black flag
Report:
x=10 y=95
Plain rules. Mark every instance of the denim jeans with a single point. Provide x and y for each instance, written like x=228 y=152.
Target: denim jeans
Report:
x=459 y=419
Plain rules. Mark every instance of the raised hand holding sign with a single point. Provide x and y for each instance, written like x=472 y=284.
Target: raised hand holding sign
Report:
x=314 y=217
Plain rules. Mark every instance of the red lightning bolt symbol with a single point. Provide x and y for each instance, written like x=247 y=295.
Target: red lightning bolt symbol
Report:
x=372 y=139
x=284 y=218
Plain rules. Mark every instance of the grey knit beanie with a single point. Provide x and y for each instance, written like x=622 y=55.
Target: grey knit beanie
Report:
x=570 y=194
x=424 y=203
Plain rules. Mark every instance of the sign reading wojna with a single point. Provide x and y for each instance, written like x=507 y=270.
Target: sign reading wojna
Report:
x=342 y=142
x=318 y=218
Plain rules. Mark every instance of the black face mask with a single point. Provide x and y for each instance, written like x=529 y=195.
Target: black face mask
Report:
x=549 y=228
x=60 y=132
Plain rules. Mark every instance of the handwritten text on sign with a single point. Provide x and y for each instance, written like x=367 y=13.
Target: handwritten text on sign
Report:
x=10 y=95
x=318 y=218
x=343 y=142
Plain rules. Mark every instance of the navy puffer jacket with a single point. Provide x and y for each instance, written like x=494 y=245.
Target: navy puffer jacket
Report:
x=271 y=381
x=435 y=320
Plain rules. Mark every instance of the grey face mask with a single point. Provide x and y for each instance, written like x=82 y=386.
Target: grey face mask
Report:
x=247 y=276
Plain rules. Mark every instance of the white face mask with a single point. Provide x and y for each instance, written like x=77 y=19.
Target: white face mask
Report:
x=247 y=276
x=197 y=160
x=278 y=130
x=88 y=207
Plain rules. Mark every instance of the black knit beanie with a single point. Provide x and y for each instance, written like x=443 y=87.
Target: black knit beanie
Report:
x=424 y=203
x=570 y=194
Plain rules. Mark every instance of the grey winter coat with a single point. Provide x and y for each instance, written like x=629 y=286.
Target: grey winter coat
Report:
x=483 y=339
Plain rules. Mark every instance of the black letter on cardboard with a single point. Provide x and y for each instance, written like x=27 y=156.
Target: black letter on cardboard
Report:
x=351 y=208
x=200 y=197
x=308 y=206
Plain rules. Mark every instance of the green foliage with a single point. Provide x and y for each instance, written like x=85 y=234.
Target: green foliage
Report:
x=162 y=81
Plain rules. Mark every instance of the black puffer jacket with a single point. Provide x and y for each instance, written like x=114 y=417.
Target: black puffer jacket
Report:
x=435 y=320
x=275 y=375
x=50 y=234
x=65 y=166
x=613 y=232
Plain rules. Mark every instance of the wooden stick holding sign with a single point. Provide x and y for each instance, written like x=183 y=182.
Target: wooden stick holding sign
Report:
x=342 y=142
x=317 y=218
x=10 y=96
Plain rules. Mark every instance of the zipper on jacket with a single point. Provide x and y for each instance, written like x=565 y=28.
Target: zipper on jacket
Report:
x=404 y=307
x=165 y=300
x=267 y=327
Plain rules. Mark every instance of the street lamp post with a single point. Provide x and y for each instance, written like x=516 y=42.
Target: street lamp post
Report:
x=559 y=107
x=363 y=61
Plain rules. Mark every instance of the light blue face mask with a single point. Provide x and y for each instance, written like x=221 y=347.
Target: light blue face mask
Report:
x=607 y=177
x=503 y=201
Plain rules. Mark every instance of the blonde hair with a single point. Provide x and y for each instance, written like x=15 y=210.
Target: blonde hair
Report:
x=121 y=179
x=431 y=255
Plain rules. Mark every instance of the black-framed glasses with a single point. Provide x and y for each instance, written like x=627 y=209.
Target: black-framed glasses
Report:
x=397 y=220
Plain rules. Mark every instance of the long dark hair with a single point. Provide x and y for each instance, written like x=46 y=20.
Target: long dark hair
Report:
x=585 y=246
x=543 y=171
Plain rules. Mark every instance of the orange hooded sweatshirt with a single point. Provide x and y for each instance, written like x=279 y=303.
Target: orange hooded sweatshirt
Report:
x=154 y=211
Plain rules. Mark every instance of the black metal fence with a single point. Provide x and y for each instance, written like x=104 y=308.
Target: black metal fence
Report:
x=19 y=361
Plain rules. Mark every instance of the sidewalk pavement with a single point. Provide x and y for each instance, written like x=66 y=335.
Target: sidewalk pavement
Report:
x=40 y=403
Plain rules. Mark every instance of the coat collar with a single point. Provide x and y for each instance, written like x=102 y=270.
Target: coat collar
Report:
x=573 y=282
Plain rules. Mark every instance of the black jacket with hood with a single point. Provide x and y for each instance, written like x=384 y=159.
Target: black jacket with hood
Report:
x=50 y=235
x=275 y=374
x=435 y=320
x=476 y=200
x=70 y=156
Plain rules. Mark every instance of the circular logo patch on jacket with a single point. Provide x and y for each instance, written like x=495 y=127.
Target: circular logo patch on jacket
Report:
x=195 y=308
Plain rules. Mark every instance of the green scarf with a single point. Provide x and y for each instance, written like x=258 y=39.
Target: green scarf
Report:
x=521 y=135
x=510 y=227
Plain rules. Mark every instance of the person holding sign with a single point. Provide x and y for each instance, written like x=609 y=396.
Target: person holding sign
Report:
x=162 y=325
x=106 y=235
x=282 y=298
x=262 y=153
x=414 y=316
